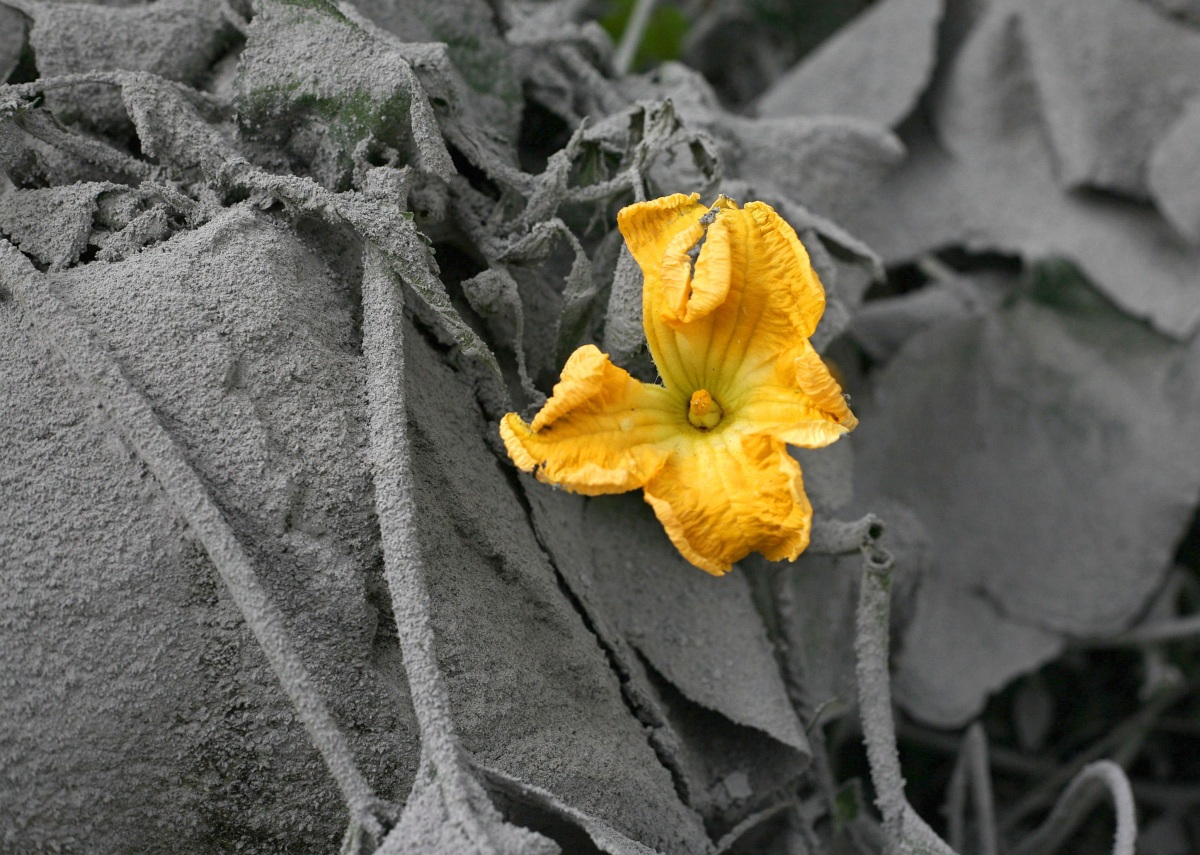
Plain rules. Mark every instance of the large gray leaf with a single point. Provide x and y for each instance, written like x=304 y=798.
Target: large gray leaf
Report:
x=175 y=39
x=874 y=68
x=692 y=646
x=997 y=191
x=128 y=672
x=828 y=164
x=1048 y=447
x=1111 y=76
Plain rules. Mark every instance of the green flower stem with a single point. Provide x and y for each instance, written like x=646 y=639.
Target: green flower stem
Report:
x=632 y=37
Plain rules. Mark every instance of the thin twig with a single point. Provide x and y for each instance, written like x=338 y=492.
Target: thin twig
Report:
x=1077 y=801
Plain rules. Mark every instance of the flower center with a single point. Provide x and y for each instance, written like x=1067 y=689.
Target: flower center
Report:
x=703 y=411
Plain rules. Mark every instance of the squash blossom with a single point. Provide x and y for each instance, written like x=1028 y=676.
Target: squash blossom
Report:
x=729 y=303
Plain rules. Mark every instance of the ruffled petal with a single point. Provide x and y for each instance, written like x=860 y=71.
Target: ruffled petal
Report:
x=803 y=296
x=697 y=267
x=648 y=227
x=728 y=290
x=725 y=496
x=601 y=431
x=800 y=403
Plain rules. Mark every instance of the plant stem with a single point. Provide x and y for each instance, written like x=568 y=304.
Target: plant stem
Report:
x=631 y=39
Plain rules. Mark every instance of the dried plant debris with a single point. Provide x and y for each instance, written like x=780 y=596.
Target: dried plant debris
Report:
x=175 y=39
x=270 y=271
x=52 y=224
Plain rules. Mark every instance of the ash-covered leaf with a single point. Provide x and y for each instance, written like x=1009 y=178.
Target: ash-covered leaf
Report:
x=815 y=600
x=472 y=33
x=957 y=650
x=38 y=151
x=381 y=222
x=828 y=475
x=827 y=164
x=242 y=340
x=561 y=62
x=296 y=91
x=1047 y=446
x=1000 y=195
x=51 y=224
x=150 y=226
x=990 y=177
x=495 y=296
x=816 y=604
x=174 y=39
x=172 y=126
x=531 y=689
x=711 y=643
x=700 y=669
x=1111 y=76
x=874 y=68
x=623 y=334
x=744 y=47
x=881 y=327
x=830 y=165
x=1174 y=174
x=12 y=40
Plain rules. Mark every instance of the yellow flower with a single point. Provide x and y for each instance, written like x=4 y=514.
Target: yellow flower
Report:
x=729 y=303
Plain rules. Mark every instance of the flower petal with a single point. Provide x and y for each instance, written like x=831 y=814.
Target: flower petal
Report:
x=648 y=227
x=726 y=496
x=696 y=267
x=602 y=431
x=790 y=265
x=748 y=297
x=659 y=235
x=802 y=404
